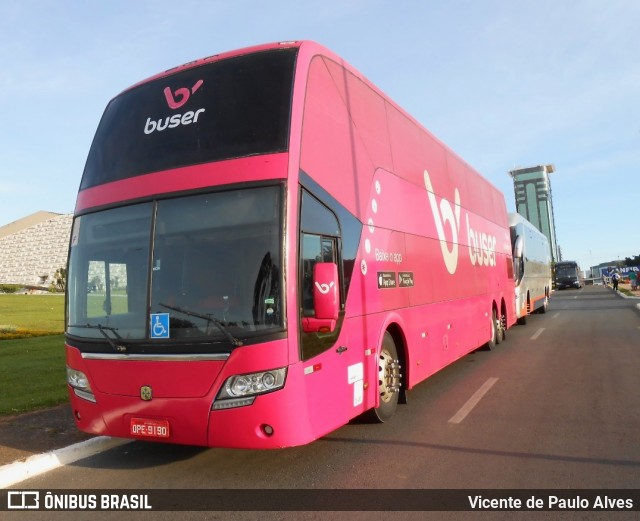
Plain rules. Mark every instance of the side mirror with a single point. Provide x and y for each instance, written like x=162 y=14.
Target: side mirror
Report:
x=518 y=247
x=326 y=299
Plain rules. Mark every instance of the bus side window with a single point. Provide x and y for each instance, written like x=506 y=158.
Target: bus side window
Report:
x=315 y=249
x=319 y=242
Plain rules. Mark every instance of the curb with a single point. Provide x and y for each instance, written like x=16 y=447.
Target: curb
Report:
x=33 y=466
x=622 y=295
x=636 y=308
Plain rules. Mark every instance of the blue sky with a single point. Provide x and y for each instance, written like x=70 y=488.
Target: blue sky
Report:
x=504 y=83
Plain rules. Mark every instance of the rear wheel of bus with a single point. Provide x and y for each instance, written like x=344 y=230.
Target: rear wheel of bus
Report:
x=503 y=323
x=497 y=330
x=545 y=304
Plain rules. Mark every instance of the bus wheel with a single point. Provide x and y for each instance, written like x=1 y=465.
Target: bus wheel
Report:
x=498 y=327
x=523 y=320
x=545 y=305
x=389 y=380
x=503 y=325
x=496 y=335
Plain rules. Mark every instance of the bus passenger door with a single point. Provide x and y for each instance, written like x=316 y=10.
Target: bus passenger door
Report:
x=333 y=370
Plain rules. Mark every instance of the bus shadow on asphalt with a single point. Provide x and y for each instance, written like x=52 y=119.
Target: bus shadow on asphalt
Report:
x=487 y=452
x=140 y=455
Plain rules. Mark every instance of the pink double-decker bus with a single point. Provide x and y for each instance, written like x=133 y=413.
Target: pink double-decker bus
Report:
x=266 y=247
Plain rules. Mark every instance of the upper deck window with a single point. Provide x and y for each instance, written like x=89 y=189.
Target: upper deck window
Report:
x=231 y=108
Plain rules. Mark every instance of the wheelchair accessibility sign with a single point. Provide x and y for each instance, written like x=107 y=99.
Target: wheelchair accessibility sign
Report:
x=159 y=325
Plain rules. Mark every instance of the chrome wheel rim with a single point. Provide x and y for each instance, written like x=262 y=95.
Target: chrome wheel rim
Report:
x=388 y=376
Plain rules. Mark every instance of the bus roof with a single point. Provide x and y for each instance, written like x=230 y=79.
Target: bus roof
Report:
x=217 y=57
x=308 y=49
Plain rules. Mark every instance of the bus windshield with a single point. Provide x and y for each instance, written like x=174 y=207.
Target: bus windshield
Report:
x=566 y=271
x=208 y=265
x=224 y=109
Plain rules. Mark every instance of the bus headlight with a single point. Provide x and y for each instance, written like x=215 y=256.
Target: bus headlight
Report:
x=241 y=390
x=80 y=383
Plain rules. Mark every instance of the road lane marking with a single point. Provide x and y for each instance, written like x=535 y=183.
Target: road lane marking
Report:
x=556 y=315
x=473 y=401
x=537 y=333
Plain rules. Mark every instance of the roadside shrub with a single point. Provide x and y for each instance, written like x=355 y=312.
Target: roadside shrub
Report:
x=14 y=333
x=9 y=288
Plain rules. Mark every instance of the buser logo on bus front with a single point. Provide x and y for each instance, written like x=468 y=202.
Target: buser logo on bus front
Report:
x=146 y=393
x=181 y=96
x=175 y=100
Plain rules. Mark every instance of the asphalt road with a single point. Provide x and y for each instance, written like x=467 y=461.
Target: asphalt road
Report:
x=555 y=407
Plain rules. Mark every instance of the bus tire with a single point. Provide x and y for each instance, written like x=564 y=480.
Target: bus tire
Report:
x=389 y=382
x=503 y=323
x=496 y=336
x=545 y=305
x=523 y=319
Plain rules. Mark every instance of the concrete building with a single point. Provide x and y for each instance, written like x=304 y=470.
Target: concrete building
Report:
x=33 y=248
x=534 y=202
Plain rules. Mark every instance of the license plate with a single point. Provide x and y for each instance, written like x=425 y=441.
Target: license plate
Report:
x=150 y=428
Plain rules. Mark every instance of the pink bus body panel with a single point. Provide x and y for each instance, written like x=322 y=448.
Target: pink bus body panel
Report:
x=182 y=179
x=427 y=217
x=384 y=157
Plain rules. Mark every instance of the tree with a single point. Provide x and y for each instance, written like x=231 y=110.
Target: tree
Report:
x=60 y=279
x=632 y=261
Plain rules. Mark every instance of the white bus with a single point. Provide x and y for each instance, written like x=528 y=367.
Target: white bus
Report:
x=532 y=267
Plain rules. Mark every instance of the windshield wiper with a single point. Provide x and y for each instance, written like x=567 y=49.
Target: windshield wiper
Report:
x=210 y=319
x=118 y=348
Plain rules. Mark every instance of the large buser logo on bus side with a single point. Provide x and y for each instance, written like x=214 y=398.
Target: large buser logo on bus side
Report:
x=175 y=100
x=442 y=215
x=482 y=246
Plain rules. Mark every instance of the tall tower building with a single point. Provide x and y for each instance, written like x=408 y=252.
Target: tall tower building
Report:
x=533 y=201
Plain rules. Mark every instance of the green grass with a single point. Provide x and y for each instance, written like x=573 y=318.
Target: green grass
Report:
x=32 y=373
x=32 y=365
x=31 y=315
